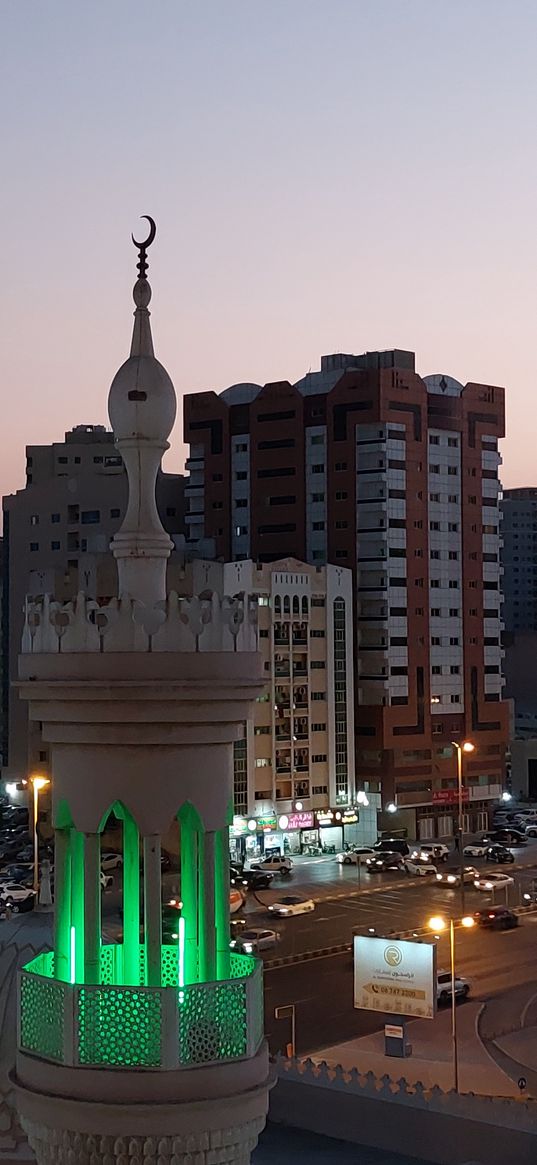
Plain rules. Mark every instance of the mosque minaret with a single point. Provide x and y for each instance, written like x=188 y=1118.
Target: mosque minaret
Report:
x=140 y=1052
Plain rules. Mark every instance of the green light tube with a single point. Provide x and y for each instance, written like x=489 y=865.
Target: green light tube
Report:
x=72 y=966
x=181 y=953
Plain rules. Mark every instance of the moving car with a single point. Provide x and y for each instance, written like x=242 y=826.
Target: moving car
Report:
x=496 y=918
x=419 y=866
x=509 y=836
x=236 y=900
x=453 y=877
x=111 y=861
x=491 y=881
x=443 y=987
x=253 y=879
x=392 y=845
x=356 y=857
x=433 y=849
x=385 y=860
x=255 y=938
x=476 y=849
x=17 y=897
x=499 y=853
x=292 y=904
x=276 y=863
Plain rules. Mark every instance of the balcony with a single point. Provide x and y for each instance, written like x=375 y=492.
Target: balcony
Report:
x=300 y=669
x=133 y=1027
x=282 y=670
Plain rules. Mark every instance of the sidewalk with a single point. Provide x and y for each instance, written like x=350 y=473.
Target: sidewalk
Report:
x=431 y=1060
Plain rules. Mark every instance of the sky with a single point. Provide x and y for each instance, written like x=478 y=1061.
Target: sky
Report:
x=326 y=175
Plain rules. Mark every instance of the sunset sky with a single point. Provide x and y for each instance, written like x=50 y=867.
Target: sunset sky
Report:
x=326 y=175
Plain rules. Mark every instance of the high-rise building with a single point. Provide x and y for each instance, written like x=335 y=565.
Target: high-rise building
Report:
x=294 y=783
x=519 y=558
x=365 y=464
x=57 y=533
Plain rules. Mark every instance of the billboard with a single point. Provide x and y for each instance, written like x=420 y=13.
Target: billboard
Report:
x=395 y=975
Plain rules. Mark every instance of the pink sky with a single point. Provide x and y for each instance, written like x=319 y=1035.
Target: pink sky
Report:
x=338 y=176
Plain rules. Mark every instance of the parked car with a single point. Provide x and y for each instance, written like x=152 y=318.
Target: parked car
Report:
x=453 y=877
x=496 y=918
x=22 y=872
x=253 y=879
x=292 y=904
x=392 y=845
x=276 y=863
x=433 y=849
x=489 y=882
x=111 y=860
x=444 y=987
x=356 y=857
x=107 y=881
x=509 y=836
x=17 y=897
x=385 y=860
x=253 y=939
x=531 y=829
x=419 y=867
x=499 y=853
x=476 y=849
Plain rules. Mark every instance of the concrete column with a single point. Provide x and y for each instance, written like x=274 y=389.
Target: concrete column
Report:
x=208 y=933
x=222 y=903
x=92 y=908
x=62 y=905
x=77 y=900
x=131 y=902
x=152 y=910
x=189 y=897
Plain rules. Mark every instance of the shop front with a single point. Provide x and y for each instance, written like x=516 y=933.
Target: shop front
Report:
x=440 y=818
x=248 y=837
x=338 y=828
x=295 y=834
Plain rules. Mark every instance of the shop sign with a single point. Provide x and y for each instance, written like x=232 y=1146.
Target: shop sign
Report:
x=239 y=827
x=449 y=796
x=296 y=821
x=266 y=823
x=337 y=816
x=395 y=975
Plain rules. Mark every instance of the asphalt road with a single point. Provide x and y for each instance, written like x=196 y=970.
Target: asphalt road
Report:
x=321 y=989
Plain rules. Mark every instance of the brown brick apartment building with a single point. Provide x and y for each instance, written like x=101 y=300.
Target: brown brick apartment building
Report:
x=365 y=464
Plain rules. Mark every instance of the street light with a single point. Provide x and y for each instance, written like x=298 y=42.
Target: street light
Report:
x=38 y=783
x=465 y=747
x=438 y=924
x=391 y=807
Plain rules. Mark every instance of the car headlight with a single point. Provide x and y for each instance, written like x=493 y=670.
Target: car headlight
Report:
x=439 y=877
x=271 y=908
x=451 y=878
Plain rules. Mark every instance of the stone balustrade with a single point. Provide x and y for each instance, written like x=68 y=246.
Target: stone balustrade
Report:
x=201 y=623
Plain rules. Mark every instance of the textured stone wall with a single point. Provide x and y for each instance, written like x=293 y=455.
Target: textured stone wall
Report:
x=229 y=1146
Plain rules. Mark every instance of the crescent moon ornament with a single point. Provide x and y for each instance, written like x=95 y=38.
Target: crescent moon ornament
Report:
x=151 y=235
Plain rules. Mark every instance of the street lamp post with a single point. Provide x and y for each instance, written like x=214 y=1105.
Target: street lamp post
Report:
x=466 y=746
x=38 y=783
x=438 y=925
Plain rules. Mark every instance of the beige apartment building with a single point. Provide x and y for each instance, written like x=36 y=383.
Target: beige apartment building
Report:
x=56 y=540
x=294 y=779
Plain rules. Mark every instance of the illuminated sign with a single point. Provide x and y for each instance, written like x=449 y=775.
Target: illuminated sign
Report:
x=265 y=823
x=395 y=976
x=296 y=821
x=449 y=796
x=337 y=816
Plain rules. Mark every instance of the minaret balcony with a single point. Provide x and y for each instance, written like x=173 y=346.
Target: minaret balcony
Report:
x=115 y=1025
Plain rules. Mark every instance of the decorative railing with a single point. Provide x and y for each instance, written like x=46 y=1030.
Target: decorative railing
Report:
x=111 y=1025
x=206 y=622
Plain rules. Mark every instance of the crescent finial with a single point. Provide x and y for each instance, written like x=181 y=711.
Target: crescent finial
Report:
x=152 y=232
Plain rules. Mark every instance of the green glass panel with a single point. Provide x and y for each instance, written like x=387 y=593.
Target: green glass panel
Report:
x=119 y=1026
x=42 y=1007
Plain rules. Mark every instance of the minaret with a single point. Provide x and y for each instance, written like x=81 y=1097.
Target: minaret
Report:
x=141 y=1052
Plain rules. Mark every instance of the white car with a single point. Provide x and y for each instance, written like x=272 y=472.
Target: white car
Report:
x=531 y=829
x=476 y=849
x=419 y=867
x=444 y=985
x=111 y=861
x=491 y=881
x=255 y=938
x=107 y=881
x=292 y=904
x=13 y=894
x=356 y=857
x=453 y=877
x=280 y=865
x=431 y=849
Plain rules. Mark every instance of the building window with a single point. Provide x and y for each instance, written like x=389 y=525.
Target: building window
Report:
x=115 y=512
x=342 y=525
x=454 y=612
x=318 y=758
x=454 y=641
x=435 y=583
x=453 y=527
x=90 y=517
x=452 y=470
x=317 y=635
x=34 y=520
x=318 y=439
x=341 y=495
x=433 y=440
x=34 y=546
x=219 y=476
x=97 y=460
x=454 y=670
x=62 y=460
x=436 y=612
x=318 y=695
x=317 y=497
x=433 y=525
x=317 y=526
x=453 y=584
x=240 y=777
x=318 y=602
x=436 y=669
x=434 y=469
x=318 y=468
x=453 y=498
x=434 y=497
x=340 y=466
x=318 y=728
x=55 y=518
x=453 y=555
x=453 y=442
x=435 y=554
x=455 y=699
x=436 y=641
x=219 y=505
x=342 y=553
x=317 y=664
x=54 y=545
x=262 y=762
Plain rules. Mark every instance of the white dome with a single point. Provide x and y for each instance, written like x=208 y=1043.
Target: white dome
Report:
x=142 y=401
